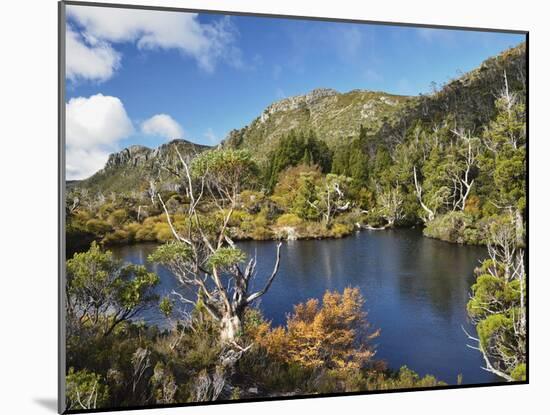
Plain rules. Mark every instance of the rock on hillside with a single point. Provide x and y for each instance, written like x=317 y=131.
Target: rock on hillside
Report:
x=332 y=115
x=467 y=100
x=131 y=169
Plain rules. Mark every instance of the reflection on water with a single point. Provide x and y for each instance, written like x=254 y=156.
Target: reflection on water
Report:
x=416 y=290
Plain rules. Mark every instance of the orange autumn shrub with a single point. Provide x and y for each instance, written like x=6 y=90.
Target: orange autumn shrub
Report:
x=334 y=335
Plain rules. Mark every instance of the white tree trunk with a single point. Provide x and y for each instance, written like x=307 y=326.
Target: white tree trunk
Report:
x=418 y=187
x=230 y=328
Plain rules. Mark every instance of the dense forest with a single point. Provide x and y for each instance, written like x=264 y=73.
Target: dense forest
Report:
x=452 y=162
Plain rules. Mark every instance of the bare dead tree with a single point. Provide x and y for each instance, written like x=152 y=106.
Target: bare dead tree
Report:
x=509 y=101
x=503 y=250
x=209 y=388
x=86 y=399
x=332 y=199
x=510 y=98
x=391 y=206
x=74 y=205
x=91 y=402
x=206 y=258
x=165 y=384
x=85 y=198
x=462 y=176
x=168 y=391
x=152 y=191
x=100 y=198
x=418 y=191
x=141 y=362
x=489 y=143
x=505 y=349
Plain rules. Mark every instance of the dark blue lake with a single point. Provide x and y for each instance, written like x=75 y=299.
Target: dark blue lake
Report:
x=416 y=290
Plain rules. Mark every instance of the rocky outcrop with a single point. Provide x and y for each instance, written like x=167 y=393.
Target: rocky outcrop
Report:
x=337 y=117
x=297 y=102
x=134 y=167
x=333 y=115
x=133 y=155
x=141 y=156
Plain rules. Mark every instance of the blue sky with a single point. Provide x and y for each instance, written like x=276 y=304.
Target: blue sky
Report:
x=207 y=74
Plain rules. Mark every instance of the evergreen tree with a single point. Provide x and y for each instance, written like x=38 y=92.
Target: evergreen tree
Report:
x=304 y=203
x=298 y=148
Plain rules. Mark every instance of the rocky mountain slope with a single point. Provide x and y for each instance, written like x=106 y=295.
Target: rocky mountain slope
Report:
x=337 y=117
x=134 y=167
x=332 y=115
x=467 y=101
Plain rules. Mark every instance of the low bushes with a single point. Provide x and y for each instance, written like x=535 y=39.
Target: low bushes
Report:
x=461 y=227
x=457 y=227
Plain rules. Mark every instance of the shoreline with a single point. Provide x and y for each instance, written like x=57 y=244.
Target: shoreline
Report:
x=106 y=245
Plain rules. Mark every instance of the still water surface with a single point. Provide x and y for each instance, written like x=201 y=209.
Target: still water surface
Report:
x=416 y=291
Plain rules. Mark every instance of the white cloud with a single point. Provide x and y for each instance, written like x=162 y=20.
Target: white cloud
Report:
x=162 y=125
x=89 y=59
x=94 y=125
x=82 y=163
x=207 y=43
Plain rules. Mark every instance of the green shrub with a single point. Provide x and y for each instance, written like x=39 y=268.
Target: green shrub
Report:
x=403 y=379
x=145 y=233
x=98 y=227
x=162 y=232
x=339 y=230
x=132 y=229
x=116 y=237
x=251 y=201
x=166 y=306
x=457 y=227
x=85 y=390
x=289 y=219
x=105 y=210
x=261 y=234
x=118 y=217
x=520 y=372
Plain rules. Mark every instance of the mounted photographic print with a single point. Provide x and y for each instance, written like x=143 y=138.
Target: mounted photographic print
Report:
x=258 y=207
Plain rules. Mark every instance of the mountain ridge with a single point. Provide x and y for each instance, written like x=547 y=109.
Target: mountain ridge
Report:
x=335 y=117
x=331 y=114
x=133 y=167
x=137 y=154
